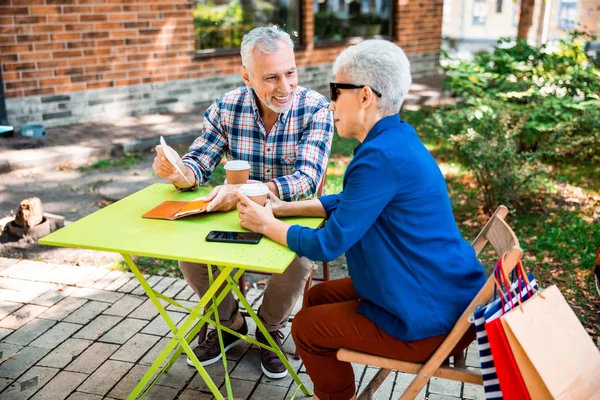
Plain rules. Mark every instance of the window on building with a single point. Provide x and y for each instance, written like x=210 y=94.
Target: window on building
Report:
x=479 y=12
x=221 y=24
x=567 y=14
x=343 y=19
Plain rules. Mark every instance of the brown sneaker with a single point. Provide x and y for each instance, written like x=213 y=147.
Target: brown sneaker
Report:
x=209 y=351
x=270 y=363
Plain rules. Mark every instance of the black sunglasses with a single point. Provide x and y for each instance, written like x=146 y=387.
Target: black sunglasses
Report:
x=333 y=87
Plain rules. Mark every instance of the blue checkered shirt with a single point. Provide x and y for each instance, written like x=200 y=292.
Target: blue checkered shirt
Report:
x=293 y=155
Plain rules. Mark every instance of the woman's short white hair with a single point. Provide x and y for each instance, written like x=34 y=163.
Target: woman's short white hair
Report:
x=265 y=39
x=383 y=66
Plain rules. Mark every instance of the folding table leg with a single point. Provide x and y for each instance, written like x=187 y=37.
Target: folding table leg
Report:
x=179 y=336
x=272 y=343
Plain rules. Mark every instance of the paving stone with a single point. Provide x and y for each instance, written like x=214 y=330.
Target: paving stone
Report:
x=7 y=262
x=22 y=316
x=185 y=294
x=241 y=388
x=67 y=274
x=472 y=359
x=129 y=286
x=107 y=279
x=21 y=291
x=265 y=391
x=20 y=361
x=65 y=353
x=53 y=296
x=162 y=393
x=56 y=335
x=97 y=327
x=164 y=284
x=4 y=332
x=307 y=382
x=385 y=389
x=433 y=396
x=178 y=375
x=159 y=327
x=29 y=331
x=215 y=371
x=98 y=295
x=87 y=312
x=473 y=392
x=84 y=396
x=175 y=288
x=29 y=383
x=60 y=386
x=402 y=381
x=123 y=331
x=92 y=358
x=4 y=383
x=249 y=366
x=189 y=394
x=105 y=377
x=120 y=281
x=135 y=348
x=11 y=269
x=147 y=310
x=63 y=308
x=93 y=277
x=150 y=356
x=7 y=307
x=128 y=382
x=125 y=305
x=152 y=281
x=445 y=386
x=40 y=273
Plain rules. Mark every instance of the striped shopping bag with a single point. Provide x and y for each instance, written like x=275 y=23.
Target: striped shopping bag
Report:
x=488 y=313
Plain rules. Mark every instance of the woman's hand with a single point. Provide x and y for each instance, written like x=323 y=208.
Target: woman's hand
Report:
x=252 y=216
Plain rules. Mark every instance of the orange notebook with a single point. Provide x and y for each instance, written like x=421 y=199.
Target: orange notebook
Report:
x=173 y=210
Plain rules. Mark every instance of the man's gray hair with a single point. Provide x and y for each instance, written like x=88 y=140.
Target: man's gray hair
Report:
x=383 y=66
x=265 y=39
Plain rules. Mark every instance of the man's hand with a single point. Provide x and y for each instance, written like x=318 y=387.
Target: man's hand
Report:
x=277 y=205
x=165 y=169
x=222 y=198
x=252 y=216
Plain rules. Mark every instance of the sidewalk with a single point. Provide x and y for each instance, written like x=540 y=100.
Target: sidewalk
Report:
x=82 y=332
x=80 y=144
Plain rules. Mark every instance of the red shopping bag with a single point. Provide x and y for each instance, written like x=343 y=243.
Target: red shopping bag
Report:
x=511 y=382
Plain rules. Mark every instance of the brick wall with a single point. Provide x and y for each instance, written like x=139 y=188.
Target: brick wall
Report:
x=63 y=61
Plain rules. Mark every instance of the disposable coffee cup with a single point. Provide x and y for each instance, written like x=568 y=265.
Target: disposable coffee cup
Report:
x=257 y=192
x=237 y=172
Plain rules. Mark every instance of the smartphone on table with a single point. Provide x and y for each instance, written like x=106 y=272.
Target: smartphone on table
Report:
x=234 y=237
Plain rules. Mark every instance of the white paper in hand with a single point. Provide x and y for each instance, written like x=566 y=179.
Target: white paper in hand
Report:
x=173 y=157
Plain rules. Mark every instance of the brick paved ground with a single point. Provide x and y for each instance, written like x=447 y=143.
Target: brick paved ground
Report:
x=81 y=332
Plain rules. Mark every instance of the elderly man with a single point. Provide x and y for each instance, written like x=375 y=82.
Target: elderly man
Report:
x=284 y=131
x=411 y=272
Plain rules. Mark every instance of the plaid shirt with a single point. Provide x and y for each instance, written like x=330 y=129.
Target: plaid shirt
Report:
x=293 y=155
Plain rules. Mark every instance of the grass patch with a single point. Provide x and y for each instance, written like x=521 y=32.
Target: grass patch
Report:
x=127 y=161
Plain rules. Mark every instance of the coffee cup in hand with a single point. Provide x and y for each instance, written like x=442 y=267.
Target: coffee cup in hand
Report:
x=237 y=172
x=257 y=192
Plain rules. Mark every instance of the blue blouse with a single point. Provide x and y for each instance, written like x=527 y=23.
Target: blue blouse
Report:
x=408 y=262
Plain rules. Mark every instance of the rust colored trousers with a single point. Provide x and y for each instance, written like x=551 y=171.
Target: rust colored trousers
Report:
x=330 y=322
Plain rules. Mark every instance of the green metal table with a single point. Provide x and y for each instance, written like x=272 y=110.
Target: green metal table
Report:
x=120 y=228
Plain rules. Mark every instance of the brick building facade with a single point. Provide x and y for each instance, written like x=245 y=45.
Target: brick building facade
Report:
x=73 y=61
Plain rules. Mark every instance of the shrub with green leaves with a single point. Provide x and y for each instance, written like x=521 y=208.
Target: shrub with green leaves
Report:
x=521 y=104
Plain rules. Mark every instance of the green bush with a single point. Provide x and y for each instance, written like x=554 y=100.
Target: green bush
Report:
x=519 y=105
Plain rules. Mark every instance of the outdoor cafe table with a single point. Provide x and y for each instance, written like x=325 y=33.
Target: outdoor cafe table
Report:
x=120 y=228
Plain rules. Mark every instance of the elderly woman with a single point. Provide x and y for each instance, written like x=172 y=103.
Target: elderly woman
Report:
x=411 y=272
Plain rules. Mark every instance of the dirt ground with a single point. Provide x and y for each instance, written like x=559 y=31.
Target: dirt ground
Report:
x=74 y=194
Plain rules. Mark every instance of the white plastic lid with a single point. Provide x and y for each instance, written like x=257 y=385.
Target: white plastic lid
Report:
x=237 y=165
x=254 y=189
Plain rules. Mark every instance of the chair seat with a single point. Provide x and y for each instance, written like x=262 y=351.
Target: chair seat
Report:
x=455 y=374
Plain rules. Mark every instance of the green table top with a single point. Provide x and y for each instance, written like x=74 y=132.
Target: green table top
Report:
x=121 y=228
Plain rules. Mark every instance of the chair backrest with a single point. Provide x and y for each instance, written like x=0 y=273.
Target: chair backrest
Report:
x=497 y=233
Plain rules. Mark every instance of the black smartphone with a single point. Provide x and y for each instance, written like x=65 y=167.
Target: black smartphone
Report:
x=234 y=237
